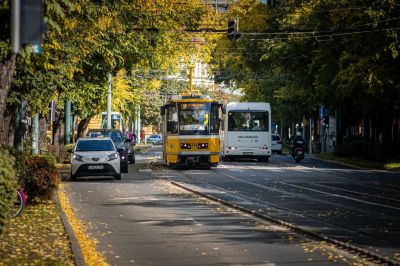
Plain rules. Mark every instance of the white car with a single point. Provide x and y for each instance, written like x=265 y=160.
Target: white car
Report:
x=155 y=139
x=276 y=143
x=95 y=157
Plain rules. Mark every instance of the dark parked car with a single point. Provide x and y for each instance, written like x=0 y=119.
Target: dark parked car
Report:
x=126 y=152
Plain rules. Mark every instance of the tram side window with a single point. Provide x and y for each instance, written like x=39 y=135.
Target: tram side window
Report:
x=172 y=120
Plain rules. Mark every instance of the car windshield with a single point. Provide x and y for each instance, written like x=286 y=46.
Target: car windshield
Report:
x=116 y=136
x=194 y=118
x=275 y=138
x=94 y=145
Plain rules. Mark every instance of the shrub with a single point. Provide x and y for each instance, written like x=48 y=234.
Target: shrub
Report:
x=60 y=152
x=8 y=186
x=50 y=158
x=19 y=159
x=41 y=178
x=348 y=148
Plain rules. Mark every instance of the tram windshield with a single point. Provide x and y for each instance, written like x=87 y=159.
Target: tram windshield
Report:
x=194 y=118
x=247 y=121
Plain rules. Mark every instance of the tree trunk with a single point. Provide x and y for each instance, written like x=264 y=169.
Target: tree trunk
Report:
x=58 y=134
x=43 y=141
x=7 y=69
x=83 y=124
x=11 y=116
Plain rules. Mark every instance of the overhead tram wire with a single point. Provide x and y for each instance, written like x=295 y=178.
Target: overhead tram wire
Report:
x=314 y=36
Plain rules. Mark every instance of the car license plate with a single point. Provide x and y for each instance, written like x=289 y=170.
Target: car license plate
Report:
x=247 y=153
x=95 y=167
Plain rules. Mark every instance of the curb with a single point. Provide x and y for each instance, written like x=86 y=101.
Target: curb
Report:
x=343 y=163
x=76 y=250
x=393 y=171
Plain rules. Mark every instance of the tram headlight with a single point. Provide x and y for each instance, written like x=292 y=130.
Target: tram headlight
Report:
x=202 y=145
x=186 y=146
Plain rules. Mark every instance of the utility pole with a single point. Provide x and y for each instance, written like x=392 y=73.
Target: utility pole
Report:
x=109 y=98
x=35 y=139
x=15 y=26
x=67 y=126
x=310 y=144
x=138 y=122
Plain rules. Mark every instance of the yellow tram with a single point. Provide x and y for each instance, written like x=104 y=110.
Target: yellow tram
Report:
x=191 y=127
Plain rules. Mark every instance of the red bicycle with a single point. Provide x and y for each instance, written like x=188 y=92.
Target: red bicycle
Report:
x=19 y=203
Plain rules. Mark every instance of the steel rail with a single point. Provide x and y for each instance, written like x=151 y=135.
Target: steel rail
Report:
x=339 y=189
x=372 y=256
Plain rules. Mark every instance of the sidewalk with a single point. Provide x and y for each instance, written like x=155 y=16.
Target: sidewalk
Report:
x=349 y=162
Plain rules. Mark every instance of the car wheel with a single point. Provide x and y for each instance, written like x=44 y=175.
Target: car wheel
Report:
x=117 y=176
x=73 y=177
x=264 y=159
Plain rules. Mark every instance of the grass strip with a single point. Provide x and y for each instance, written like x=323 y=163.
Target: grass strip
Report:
x=36 y=237
x=351 y=160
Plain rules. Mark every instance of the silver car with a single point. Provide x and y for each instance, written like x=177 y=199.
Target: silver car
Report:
x=95 y=157
x=276 y=143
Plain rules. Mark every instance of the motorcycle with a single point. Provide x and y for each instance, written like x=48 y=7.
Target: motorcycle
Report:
x=297 y=151
x=298 y=154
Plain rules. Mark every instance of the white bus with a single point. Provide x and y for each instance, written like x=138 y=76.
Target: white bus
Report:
x=247 y=131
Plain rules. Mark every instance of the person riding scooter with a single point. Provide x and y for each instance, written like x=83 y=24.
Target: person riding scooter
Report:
x=296 y=142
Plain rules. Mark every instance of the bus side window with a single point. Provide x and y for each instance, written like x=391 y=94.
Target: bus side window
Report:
x=172 y=120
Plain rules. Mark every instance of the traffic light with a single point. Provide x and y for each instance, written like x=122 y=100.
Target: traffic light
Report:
x=231 y=29
x=326 y=121
x=232 y=34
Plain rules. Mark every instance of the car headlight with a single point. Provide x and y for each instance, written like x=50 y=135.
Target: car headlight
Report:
x=77 y=157
x=232 y=148
x=112 y=156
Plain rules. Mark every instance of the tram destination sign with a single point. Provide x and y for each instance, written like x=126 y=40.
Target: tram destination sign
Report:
x=193 y=106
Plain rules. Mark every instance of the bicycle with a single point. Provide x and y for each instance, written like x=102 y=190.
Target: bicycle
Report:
x=19 y=203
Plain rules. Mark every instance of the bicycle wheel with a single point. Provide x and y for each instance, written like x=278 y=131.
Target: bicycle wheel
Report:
x=18 y=205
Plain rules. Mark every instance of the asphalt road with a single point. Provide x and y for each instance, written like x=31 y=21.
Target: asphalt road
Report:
x=145 y=220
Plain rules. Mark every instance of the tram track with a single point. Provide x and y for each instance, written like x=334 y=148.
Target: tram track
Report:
x=388 y=199
x=377 y=258
x=393 y=215
x=297 y=212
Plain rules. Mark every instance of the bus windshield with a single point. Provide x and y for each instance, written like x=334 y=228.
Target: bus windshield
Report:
x=194 y=118
x=248 y=121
